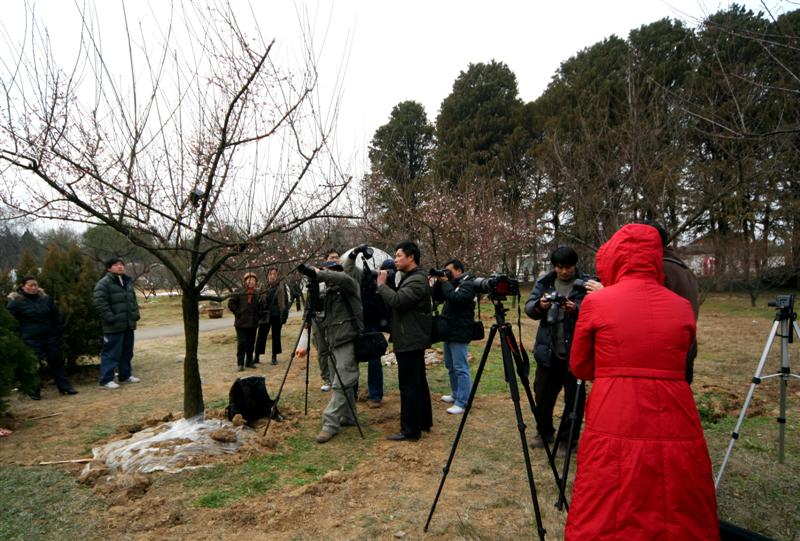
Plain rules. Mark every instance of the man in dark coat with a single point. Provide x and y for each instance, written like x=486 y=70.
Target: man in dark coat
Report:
x=115 y=301
x=40 y=329
x=247 y=308
x=554 y=340
x=276 y=302
x=410 y=329
x=457 y=291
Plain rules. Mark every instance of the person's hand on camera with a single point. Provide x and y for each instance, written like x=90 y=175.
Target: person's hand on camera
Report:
x=544 y=304
x=570 y=306
x=382 y=277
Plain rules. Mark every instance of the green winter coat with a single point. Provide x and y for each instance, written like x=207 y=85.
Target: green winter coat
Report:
x=411 y=319
x=339 y=325
x=116 y=303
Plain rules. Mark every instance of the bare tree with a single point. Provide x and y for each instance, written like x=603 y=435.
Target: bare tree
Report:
x=195 y=141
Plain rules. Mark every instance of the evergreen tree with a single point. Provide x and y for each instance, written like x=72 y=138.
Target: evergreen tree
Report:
x=18 y=365
x=69 y=277
x=27 y=265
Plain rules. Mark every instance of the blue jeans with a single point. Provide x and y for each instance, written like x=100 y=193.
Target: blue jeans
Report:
x=375 y=379
x=455 y=359
x=117 y=354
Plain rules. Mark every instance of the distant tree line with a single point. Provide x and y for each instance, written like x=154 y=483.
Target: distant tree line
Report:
x=698 y=128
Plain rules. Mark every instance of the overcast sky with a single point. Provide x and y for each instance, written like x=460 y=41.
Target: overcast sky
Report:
x=388 y=52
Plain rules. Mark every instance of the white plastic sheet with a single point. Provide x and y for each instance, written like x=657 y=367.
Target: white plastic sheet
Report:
x=170 y=447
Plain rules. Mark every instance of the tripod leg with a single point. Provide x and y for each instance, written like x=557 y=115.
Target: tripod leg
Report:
x=511 y=342
x=506 y=338
x=350 y=405
x=756 y=380
x=306 y=322
x=573 y=422
x=475 y=382
x=308 y=357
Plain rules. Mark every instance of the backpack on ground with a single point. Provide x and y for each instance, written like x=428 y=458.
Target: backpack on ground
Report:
x=249 y=397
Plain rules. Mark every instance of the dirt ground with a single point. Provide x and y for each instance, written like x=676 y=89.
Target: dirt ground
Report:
x=349 y=488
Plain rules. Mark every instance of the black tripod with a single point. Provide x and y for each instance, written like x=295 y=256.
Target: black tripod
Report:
x=575 y=418
x=786 y=321
x=511 y=358
x=309 y=318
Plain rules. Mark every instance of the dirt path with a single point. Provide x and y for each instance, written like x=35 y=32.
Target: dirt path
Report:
x=206 y=325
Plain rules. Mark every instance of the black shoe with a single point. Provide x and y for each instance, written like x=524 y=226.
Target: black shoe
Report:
x=68 y=390
x=250 y=365
x=241 y=368
x=274 y=360
x=256 y=360
x=401 y=437
x=35 y=395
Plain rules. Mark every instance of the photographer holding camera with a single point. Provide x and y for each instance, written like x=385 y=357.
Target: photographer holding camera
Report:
x=376 y=317
x=455 y=288
x=555 y=301
x=339 y=328
x=410 y=325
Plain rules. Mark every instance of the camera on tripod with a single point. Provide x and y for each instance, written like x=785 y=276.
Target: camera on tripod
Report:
x=782 y=302
x=497 y=286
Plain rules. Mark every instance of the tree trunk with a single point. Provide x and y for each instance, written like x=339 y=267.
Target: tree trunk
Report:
x=192 y=388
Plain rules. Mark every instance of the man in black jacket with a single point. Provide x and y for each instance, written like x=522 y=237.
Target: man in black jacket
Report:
x=410 y=327
x=115 y=301
x=275 y=304
x=557 y=317
x=457 y=291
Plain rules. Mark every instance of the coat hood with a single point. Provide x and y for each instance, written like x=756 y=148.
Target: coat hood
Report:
x=633 y=250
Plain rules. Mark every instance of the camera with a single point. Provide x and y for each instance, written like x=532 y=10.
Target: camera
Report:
x=307 y=270
x=438 y=273
x=554 y=297
x=782 y=302
x=365 y=250
x=497 y=286
x=390 y=274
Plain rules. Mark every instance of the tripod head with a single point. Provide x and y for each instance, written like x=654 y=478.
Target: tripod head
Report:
x=784 y=308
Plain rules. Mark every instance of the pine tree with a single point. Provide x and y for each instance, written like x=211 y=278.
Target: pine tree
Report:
x=27 y=266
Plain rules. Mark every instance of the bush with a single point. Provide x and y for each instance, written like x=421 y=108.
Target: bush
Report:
x=69 y=277
x=18 y=365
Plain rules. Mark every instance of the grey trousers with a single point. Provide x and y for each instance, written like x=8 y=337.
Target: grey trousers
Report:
x=338 y=412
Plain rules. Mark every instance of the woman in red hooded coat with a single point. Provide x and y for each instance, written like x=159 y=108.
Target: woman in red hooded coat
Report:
x=643 y=465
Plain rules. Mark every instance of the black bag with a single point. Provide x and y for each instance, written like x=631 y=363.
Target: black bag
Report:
x=440 y=332
x=477 y=325
x=477 y=330
x=249 y=397
x=368 y=345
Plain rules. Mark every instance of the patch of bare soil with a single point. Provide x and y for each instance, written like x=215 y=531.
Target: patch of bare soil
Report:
x=386 y=496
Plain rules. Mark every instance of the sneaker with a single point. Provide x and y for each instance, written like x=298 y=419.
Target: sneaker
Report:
x=110 y=385
x=131 y=379
x=373 y=404
x=448 y=398
x=325 y=387
x=455 y=410
x=324 y=436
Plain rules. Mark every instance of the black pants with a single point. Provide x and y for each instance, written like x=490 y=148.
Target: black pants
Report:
x=49 y=349
x=547 y=384
x=415 y=397
x=274 y=324
x=245 y=342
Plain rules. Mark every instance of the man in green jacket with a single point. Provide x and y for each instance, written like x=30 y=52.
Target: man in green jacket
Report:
x=410 y=327
x=339 y=328
x=115 y=301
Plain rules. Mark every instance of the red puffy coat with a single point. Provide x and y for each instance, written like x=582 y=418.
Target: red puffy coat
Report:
x=643 y=467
